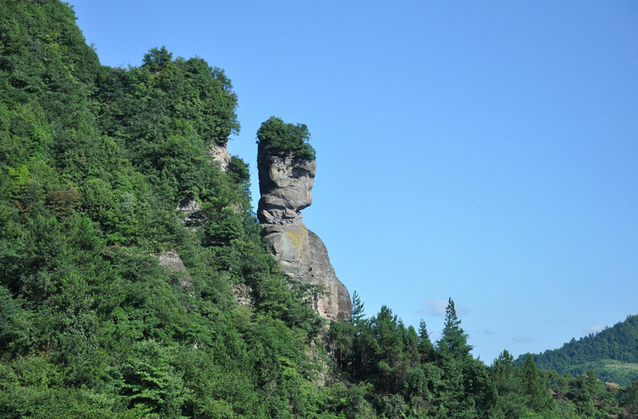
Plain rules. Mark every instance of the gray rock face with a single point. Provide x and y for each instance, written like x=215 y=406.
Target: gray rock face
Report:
x=219 y=153
x=174 y=266
x=286 y=188
x=243 y=295
x=194 y=217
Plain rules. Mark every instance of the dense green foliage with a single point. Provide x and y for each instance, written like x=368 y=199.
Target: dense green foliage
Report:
x=95 y=163
x=281 y=138
x=611 y=353
x=408 y=376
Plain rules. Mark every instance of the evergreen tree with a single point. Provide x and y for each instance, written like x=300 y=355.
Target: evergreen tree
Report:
x=389 y=363
x=510 y=402
x=453 y=342
x=457 y=394
x=539 y=398
x=358 y=310
x=426 y=349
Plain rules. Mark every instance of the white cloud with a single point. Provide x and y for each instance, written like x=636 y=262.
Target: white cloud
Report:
x=522 y=339
x=434 y=307
x=487 y=331
x=437 y=307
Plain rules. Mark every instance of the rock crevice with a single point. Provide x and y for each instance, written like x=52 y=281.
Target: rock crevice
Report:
x=285 y=185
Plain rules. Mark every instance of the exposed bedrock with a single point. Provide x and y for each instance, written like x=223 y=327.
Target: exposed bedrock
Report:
x=286 y=184
x=219 y=154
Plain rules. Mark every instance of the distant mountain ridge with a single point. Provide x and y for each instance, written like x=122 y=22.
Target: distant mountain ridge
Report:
x=612 y=353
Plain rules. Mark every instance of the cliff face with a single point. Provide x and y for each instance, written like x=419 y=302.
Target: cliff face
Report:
x=286 y=184
x=219 y=153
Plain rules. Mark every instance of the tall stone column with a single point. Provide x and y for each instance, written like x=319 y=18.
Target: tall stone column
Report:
x=285 y=183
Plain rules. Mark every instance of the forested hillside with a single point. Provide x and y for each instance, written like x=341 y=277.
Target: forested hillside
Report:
x=96 y=164
x=612 y=353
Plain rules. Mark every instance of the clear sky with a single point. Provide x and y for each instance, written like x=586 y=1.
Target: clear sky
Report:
x=485 y=151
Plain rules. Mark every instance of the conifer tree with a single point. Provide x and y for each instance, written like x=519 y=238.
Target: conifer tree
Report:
x=453 y=340
x=358 y=314
x=426 y=349
x=453 y=354
x=534 y=386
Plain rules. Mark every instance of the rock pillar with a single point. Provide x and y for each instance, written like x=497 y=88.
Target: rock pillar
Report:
x=286 y=184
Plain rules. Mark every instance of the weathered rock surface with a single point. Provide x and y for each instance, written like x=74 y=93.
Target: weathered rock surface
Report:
x=286 y=184
x=194 y=217
x=174 y=266
x=243 y=295
x=219 y=153
x=286 y=188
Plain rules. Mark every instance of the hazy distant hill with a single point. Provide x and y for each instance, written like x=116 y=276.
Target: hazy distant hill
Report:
x=612 y=353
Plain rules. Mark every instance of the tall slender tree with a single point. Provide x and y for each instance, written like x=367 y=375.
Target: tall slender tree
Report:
x=454 y=358
x=358 y=310
x=426 y=349
x=534 y=386
x=453 y=340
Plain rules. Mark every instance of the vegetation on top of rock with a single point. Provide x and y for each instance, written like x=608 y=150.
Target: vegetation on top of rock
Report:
x=281 y=138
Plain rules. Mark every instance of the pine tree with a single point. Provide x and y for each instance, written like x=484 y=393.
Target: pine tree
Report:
x=454 y=358
x=534 y=386
x=426 y=349
x=358 y=314
x=453 y=340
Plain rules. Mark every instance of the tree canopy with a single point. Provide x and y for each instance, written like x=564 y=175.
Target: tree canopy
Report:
x=281 y=138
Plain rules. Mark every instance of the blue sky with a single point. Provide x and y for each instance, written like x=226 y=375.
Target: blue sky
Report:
x=484 y=151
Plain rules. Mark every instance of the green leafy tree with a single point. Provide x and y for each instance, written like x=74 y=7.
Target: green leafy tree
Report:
x=281 y=138
x=629 y=399
x=93 y=163
x=150 y=381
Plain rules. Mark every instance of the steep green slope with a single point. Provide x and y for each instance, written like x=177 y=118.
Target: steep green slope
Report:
x=93 y=162
x=612 y=353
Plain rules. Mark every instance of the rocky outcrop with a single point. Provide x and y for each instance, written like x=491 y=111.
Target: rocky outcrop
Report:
x=286 y=184
x=243 y=294
x=219 y=153
x=286 y=188
x=174 y=267
x=194 y=217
